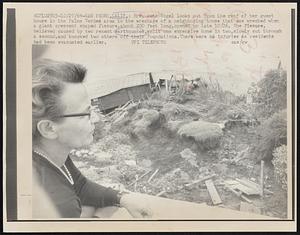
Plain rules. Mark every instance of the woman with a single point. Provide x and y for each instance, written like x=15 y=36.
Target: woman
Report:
x=62 y=120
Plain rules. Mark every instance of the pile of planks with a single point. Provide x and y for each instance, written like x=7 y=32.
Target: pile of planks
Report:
x=240 y=187
x=243 y=187
x=120 y=112
x=215 y=197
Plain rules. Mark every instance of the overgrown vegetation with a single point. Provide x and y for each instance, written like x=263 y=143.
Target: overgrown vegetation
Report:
x=271 y=134
x=272 y=93
x=280 y=165
x=270 y=103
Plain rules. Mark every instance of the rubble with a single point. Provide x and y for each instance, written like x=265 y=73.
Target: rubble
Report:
x=189 y=156
x=164 y=148
x=202 y=179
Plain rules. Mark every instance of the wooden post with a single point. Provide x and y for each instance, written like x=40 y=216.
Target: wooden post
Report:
x=262 y=178
x=166 y=84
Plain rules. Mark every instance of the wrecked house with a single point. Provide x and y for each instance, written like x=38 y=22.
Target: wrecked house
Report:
x=117 y=92
x=120 y=97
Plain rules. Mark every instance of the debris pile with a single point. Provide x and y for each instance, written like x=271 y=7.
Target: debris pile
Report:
x=191 y=142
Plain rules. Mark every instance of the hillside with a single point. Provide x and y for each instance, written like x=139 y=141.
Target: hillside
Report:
x=172 y=143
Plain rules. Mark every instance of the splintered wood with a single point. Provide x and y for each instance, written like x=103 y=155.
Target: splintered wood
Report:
x=200 y=180
x=152 y=176
x=160 y=193
x=213 y=192
x=238 y=193
x=243 y=187
x=246 y=190
x=249 y=184
x=142 y=176
x=253 y=185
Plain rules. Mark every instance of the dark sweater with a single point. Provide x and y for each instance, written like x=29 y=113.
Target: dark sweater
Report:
x=68 y=198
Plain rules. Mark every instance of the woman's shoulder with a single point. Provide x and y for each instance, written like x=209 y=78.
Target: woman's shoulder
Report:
x=46 y=174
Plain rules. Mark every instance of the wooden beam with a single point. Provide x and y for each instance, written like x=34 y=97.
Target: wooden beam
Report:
x=213 y=192
x=254 y=185
x=142 y=176
x=200 y=180
x=151 y=177
x=246 y=189
x=161 y=193
x=248 y=183
x=238 y=193
x=246 y=199
x=243 y=187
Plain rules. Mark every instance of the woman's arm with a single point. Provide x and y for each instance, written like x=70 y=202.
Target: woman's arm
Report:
x=91 y=193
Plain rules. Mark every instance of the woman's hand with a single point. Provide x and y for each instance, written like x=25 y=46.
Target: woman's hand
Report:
x=136 y=205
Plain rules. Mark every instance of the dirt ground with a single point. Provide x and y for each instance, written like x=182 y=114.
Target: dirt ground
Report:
x=118 y=159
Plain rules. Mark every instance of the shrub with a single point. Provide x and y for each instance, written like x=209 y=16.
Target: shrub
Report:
x=173 y=126
x=272 y=133
x=280 y=165
x=144 y=119
x=206 y=134
x=272 y=93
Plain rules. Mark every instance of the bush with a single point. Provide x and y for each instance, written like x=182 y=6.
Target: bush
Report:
x=173 y=126
x=206 y=134
x=143 y=120
x=272 y=93
x=272 y=133
x=280 y=165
